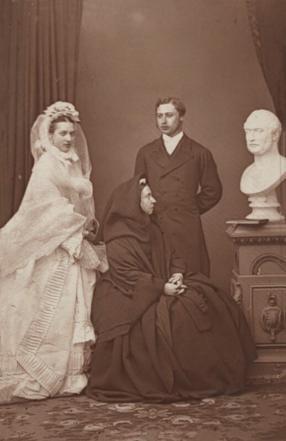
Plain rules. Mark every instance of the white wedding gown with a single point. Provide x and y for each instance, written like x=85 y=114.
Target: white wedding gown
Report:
x=45 y=289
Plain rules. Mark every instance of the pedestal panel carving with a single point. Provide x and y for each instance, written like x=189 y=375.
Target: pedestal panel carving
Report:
x=268 y=310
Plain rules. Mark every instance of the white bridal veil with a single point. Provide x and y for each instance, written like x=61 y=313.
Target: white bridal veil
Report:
x=45 y=217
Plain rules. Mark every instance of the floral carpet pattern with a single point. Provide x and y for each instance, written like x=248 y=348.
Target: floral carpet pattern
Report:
x=259 y=414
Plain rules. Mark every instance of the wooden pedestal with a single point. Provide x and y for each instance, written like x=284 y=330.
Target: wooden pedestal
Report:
x=258 y=284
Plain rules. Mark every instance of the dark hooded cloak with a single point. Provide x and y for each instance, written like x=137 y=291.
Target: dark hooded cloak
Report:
x=152 y=346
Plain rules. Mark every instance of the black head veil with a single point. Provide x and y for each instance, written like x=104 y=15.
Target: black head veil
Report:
x=123 y=215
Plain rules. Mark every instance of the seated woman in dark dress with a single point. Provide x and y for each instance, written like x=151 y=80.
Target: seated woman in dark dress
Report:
x=159 y=338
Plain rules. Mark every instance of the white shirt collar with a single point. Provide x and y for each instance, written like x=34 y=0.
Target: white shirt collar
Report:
x=171 y=142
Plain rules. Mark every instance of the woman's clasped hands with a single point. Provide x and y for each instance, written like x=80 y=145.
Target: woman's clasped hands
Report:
x=175 y=285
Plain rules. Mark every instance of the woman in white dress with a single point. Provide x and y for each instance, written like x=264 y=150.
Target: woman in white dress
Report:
x=47 y=267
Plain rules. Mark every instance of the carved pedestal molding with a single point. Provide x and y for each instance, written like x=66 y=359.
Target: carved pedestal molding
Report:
x=265 y=207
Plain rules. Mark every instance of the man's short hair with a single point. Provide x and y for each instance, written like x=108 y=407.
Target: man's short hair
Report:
x=177 y=103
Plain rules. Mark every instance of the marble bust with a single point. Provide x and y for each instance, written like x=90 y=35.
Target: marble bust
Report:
x=261 y=178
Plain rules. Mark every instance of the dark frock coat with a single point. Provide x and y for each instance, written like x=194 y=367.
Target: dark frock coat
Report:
x=185 y=184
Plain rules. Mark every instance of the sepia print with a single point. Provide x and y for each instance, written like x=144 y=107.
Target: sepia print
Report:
x=142 y=220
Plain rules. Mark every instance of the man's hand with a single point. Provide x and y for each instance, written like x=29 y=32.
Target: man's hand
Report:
x=90 y=236
x=90 y=230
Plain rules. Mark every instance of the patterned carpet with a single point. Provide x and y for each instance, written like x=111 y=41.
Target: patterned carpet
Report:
x=259 y=414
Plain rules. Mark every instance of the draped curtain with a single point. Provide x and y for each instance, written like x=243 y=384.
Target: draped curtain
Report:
x=39 y=41
x=267 y=20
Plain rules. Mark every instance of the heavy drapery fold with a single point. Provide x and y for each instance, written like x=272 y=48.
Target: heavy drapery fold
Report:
x=39 y=42
x=268 y=25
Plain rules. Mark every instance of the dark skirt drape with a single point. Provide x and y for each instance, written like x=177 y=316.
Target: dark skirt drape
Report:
x=158 y=348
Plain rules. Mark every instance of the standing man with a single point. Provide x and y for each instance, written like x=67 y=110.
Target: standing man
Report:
x=184 y=180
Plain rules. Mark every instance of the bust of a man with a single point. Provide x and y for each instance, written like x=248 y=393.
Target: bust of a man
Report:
x=263 y=176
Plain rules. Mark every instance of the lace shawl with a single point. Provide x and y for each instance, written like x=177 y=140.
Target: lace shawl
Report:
x=56 y=205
